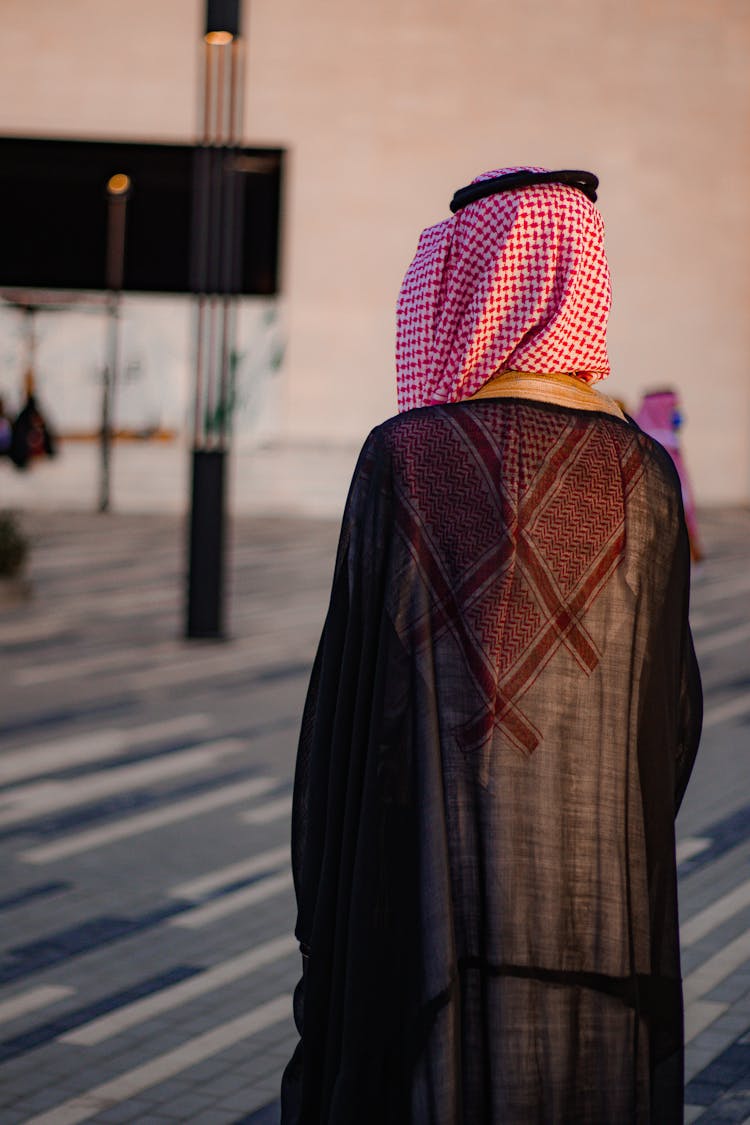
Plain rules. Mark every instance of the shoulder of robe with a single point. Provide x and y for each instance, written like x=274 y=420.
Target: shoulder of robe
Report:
x=658 y=461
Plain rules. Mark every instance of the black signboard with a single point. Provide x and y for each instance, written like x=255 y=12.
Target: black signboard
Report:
x=53 y=205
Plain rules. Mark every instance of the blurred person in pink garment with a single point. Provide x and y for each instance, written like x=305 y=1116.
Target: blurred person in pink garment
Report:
x=659 y=415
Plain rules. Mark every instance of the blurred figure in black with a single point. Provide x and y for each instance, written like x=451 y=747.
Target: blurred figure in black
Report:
x=31 y=437
x=6 y=430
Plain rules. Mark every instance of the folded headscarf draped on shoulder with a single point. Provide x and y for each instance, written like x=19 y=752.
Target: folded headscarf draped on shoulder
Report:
x=515 y=280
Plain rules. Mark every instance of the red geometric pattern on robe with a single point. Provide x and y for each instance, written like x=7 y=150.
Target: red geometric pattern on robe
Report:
x=517 y=281
x=507 y=580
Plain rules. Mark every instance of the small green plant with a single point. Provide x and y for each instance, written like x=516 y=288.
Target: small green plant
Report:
x=14 y=546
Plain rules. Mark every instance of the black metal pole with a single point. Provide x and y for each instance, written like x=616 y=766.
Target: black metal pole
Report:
x=118 y=190
x=214 y=282
x=205 y=618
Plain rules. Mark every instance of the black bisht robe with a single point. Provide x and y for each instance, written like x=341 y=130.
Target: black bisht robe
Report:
x=501 y=721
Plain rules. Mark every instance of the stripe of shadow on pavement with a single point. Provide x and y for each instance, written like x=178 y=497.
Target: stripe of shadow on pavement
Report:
x=41 y=890
x=24 y=960
x=132 y=758
x=192 y=742
x=724 y=835
x=52 y=1029
x=41 y=720
x=53 y=824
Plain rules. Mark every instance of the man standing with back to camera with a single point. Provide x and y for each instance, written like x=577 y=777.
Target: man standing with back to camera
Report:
x=503 y=713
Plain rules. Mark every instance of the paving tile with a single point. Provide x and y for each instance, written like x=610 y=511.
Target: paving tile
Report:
x=150 y=1118
x=240 y=1100
x=42 y=1099
x=267 y=1114
x=714 y=1039
x=133 y=1110
x=215 y=1116
x=187 y=1106
x=170 y=1089
x=733 y=1021
x=14 y=1116
x=228 y=1084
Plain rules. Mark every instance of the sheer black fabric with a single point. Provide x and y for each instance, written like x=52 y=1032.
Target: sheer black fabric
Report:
x=501 y=721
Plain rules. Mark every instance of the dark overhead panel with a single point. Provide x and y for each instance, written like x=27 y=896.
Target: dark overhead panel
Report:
x=53 y=203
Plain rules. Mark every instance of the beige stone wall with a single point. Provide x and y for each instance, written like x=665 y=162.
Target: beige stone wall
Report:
x=386 y=108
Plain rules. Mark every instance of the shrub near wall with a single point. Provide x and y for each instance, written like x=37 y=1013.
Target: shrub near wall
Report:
x=14 y=552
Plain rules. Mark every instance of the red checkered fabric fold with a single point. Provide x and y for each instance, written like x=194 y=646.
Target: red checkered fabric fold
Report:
x=516 y=281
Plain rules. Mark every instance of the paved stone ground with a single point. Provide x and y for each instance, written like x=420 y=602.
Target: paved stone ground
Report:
x=146 y=910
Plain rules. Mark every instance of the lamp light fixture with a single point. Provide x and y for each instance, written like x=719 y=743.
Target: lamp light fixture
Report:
x=119 y=184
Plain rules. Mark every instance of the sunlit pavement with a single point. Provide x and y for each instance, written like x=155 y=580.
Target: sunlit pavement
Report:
x=146 y=908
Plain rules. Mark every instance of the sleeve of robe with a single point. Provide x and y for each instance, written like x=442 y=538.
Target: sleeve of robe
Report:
x=673 y=708
x=347 y=828
x=691 y=697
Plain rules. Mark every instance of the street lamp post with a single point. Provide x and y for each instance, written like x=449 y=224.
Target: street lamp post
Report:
x=118 y=191
x=216 y=268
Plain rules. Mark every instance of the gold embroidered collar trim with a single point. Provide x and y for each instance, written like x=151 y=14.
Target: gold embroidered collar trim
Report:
x=557 y=388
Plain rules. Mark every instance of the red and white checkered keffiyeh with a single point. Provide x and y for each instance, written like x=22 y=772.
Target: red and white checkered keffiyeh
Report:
x=516 y=281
